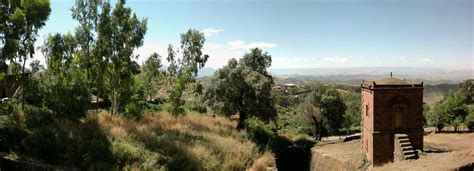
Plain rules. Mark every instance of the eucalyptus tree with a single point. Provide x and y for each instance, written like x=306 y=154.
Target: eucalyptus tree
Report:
x=151 y=75
x=172 y=70
x=59 y=51
x=127 y=34
x=102 y=51
x=33 y=15
x=186 y=68
x=62 y=88
x=86 y=12
x=20 y=22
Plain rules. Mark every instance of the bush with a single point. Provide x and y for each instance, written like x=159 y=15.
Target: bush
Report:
x=66 y=98
x=11 y=135
x=259 y=132
x=125 y=153
x=14 y=124
x=195 y=106
x=37 y=117
x=68 y=101
x=469 y=121
x=45 y=143
x=135 y=109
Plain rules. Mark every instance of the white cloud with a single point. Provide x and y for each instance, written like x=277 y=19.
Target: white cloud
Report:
x=240 y=44
x=426 y=60
x=148 y=48
x=219 y=55
x=335 y=59
x=402 y=60
x=211 y=31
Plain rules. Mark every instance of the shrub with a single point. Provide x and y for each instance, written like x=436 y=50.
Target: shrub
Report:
x=262 y=163
x=45 y=143
x=66 y=97
x=469 y=121
x=125 y=153
x=37 y=117
x=135 y=109
x=152 y=107
x=68 y=100
x=11 y=135
x=259 y=132
x=195 y=106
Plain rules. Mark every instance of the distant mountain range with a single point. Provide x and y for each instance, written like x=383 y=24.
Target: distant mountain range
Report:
x=356 y=74
x=411 y=74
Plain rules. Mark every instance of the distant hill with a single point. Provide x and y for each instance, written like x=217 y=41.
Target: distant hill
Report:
x=206 y=72
x=203 y=72
x=435 y=93
x=409 y=71
x=354 y=75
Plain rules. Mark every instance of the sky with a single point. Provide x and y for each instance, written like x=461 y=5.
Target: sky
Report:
x=306 y=34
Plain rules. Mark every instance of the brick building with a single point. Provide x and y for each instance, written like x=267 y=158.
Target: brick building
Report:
x=392 y=120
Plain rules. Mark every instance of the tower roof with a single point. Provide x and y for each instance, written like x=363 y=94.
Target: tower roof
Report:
x=390 y=81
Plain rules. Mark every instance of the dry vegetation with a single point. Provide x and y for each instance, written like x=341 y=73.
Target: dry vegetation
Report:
x=193 y=141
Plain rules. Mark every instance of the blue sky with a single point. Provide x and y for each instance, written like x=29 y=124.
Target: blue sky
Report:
x=308 y=34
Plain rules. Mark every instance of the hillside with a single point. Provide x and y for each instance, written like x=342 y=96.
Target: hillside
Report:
x=156 y=141
x=435 y=93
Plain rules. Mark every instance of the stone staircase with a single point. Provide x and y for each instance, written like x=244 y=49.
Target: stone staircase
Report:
x=404 y=150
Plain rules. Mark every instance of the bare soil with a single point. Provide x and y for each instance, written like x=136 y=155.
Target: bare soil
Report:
x=442 y=152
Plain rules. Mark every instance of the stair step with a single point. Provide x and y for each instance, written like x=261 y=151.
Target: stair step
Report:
x=410 y=156
x=408 y=152
x=405 y=144
x=407 y=148
x=404 y=140
x=402 y=135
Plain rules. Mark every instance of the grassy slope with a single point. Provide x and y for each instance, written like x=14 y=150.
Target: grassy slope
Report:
x=102 y=141
x=194 y=141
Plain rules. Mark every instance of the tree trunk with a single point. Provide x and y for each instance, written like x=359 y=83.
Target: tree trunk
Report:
x=23 y=83
x=315 y=121
x=97 y=103
x=440 y=128
x=242 y=117
x=320 y=128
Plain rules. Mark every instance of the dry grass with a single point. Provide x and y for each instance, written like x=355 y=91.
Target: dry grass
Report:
x=264 y=163
x=192 y=141
x=451 y=141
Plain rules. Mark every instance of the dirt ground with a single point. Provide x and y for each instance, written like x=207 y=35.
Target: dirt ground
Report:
x=442 y=152
x=452 y=141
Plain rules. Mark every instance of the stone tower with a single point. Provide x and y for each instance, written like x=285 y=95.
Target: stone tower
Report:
x=392 y=120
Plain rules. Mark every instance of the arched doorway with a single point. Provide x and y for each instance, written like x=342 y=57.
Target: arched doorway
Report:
x=397 y=118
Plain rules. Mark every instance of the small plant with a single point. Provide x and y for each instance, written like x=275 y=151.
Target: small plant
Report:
x=135 y=109
x=259 y=132
x=470 y=121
